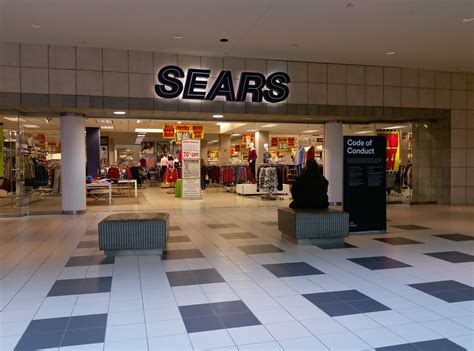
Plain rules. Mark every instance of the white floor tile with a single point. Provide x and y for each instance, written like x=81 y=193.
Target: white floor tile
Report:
x=211 y=339
x=125 y=317
x=88 y=347
x=387 y=318
x=164 y=328
x=305 y=312
x=447 y=328
x=419 y=314
x=173 y=342
x=323 y=326
x=343 y=341
x=466 y=341
x=415 y=332
x=161 y=314
x=310 y=343
x=467 y=321
x=198 y=298
x=287 y=330
x=250 y=335
x=276 y=315
x=125 y=332
x=357 y=322
x=380 y=337
x=127 y=345
x=266 y=346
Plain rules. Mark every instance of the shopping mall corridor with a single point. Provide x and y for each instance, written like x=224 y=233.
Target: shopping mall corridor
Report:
x=229 y=281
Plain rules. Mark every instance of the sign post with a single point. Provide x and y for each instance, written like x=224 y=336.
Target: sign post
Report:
x=191 y=168
x=364 y=183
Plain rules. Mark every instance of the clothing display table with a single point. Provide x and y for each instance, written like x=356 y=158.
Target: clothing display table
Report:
x=96 y=189
x=251 y=189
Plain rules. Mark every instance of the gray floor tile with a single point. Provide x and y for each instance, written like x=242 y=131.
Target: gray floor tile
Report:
x=88 y=321
x=179 y=239
x=452 y=256
x=83 y=336
x=96 y=285
x=181 y=278
x=92 y=260
x=66 y=287
x=193 y=311
x=378 y=262
x=203 y=323
x=259 y=249
x=230 y=307
x=455 y=237
x=182 y=254
x=398 y=241
x=366 y=306
x=240 y=235
x=335 y=309
x=438 y=345
x=293 y=269
x=409 y=227
x=47 y=325
x=332 y=246
x=207 y=276
x=242 y=319
x=350 y=295
x=40 y=341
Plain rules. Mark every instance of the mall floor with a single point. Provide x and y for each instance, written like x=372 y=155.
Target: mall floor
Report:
x=228 y=281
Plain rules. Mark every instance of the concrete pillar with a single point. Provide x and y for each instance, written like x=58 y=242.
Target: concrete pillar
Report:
x=73 y=164
x=204 y=149
x=333 y=161
x=261 y=138
x=93 y=152
x=224 y=149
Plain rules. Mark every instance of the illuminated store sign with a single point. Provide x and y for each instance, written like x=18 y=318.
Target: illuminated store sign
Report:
x=272 y=89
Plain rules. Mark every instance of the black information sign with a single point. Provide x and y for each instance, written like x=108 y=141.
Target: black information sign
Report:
x=364 y=182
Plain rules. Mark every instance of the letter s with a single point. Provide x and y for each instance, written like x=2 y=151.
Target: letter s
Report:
x=277 y=89
x=168 y=77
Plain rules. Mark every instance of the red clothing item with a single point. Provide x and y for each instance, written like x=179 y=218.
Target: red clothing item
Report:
x=252 y=155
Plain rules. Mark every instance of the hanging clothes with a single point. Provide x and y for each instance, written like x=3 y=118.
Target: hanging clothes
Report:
x=310 y=154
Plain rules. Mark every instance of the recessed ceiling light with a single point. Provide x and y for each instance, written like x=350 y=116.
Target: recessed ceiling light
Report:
x=106 y=127
x=179 y=122
x=271 y=125
x=293 y=46
x=467 y=20
x=364 y=132
x=394 y=127
x=217 y=116
x=35 y=26
x=251 y=130
x=235 y=135
x=30 y=126
x=15 y=119
x=120 y=113
x=348 y=5
x=310 y=131
x=104 y=121
x=148 y=130
x=177 y=36
x=390 y=53
x=223 y=40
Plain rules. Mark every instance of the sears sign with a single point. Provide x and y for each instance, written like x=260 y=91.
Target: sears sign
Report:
x=272 y=89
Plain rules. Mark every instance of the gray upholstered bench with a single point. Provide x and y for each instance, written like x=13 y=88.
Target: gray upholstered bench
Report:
x=134 y=234
x=313 y=226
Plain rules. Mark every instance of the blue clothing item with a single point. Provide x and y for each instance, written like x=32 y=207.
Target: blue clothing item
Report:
x=299 y=156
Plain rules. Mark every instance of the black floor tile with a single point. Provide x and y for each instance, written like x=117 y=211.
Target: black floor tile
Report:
x=174 y=228
x=194 y=311
x=230 y=307
x=236 y=320
x=47 y=325
x=378 y=262
x=83 y=336
x=331 y=246
x=447 y=290
x=270 y=223
x=345 y=302
x=81 y=286
x=294 y=269
x=409 y=227
x=452 y=256
x=455 y=237
x=335 y=309
x=204 y=323
x=88 y=244
x=193 y=277
x=221 y=226
x=218 y=315
x=430 y=345
x=29 y=342
x=181 y=254
x=398 y=241
x=92 y=260
x=259 y=249
x=241 y=235
x=438 y=345
x=88 y=321
x=179 y=239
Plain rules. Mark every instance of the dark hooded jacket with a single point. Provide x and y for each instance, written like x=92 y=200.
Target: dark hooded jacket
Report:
x=310 y=190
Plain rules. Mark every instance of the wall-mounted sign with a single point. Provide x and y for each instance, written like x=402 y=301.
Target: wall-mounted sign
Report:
x=393 y=148
x=291 y=142
x=272 y=89
x=364 y=183
x=274 y=142
x=168 y=131
x=198 y=131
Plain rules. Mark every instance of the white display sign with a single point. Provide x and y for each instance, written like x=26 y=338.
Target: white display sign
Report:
x=191 y=151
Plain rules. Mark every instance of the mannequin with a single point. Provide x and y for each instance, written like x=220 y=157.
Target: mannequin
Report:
x=252 y=159
x=266 y=154
x=164 y=165
x=299 y=158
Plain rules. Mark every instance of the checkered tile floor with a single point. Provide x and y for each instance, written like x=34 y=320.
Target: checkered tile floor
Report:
x=229 y=283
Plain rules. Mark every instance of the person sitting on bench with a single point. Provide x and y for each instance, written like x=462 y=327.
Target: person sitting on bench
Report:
x=310 y=190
